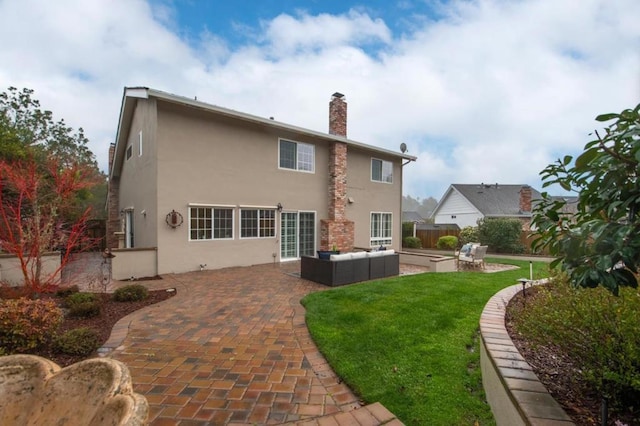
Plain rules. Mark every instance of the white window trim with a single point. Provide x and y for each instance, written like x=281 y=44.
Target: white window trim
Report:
x=275 y=220
x=390 y=238
x=371 y=170
x=213 y=207
x=313 y=165
x=140 y=144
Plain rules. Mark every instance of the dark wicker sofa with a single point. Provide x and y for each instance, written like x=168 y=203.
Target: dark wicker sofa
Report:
x=350 y=267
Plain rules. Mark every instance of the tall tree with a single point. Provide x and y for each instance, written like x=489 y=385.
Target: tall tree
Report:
x=28 y=131
x=600 y=244
x=34 y=203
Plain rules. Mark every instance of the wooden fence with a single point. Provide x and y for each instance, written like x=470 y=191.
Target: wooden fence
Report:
x=429 y=238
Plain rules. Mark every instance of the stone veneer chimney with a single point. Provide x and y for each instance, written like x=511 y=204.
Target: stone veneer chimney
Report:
x=113 y=213
x=525 y=199
x=337 y=230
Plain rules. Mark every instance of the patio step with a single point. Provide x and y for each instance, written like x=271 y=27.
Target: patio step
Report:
x=370 y=415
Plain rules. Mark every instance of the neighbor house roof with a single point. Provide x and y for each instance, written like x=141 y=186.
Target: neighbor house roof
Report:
x=411 y=216
x=495 y=200
x=132 y=94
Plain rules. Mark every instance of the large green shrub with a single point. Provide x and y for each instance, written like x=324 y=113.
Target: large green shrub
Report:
x=83 y=305
x=447 y=242
x=79 y=341
x=468 y=234
x=131 y=293
x=411 y=242
x=597 y=244
x=598 y=331
x=501 y=235
x=26 y=324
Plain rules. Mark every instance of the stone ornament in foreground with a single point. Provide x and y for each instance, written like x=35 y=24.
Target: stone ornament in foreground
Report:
x=36 y=391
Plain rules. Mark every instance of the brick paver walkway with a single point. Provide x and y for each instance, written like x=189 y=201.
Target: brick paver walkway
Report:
x=232 y=348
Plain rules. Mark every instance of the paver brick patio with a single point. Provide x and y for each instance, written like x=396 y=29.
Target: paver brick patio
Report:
x=232 y=348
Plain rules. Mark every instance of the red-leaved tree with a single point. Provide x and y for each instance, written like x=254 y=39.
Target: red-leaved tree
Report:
x=35 y=199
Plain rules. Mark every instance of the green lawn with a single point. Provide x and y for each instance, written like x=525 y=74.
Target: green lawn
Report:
x=411 y=342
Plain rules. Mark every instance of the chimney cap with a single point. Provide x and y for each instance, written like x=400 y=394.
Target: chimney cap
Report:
x=337 y=95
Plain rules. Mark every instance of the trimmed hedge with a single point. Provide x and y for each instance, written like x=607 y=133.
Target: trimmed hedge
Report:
x=79 y=341
x=447 y=242
x=131 y=293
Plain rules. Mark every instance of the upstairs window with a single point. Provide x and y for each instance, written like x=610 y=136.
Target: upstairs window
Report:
x=381 y=171
x=129 y=151
x=297 y=156
x=257 y=223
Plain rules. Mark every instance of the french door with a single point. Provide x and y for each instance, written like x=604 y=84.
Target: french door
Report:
x=297 y=234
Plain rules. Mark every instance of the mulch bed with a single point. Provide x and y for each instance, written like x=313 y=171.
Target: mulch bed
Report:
x=558 y=374
x=110 y=312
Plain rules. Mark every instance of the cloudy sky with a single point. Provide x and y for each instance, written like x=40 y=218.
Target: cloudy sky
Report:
x=479 y=90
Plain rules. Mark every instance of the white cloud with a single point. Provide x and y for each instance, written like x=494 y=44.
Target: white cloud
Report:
x=493 y=91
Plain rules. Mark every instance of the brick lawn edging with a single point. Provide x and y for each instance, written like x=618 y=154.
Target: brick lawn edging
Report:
x=513 y=391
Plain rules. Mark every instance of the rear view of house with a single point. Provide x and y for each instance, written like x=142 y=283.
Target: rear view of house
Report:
x=193 y=185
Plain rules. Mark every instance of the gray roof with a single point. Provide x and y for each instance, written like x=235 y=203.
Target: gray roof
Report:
x=132 y=94
x=411 y=216
x=496 y=199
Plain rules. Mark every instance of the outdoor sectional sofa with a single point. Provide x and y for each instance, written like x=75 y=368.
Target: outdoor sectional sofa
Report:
x=349 y=268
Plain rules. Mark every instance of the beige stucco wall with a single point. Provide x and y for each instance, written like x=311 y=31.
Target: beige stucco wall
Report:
x=370 y=196
x=210 y=161
x=11 y=272
x=139 y=172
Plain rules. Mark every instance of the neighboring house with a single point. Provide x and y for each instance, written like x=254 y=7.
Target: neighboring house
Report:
x=465 y=204
x=411 y=216
x=194 y=186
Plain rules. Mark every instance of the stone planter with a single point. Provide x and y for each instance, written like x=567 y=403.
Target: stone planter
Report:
x=98 y=391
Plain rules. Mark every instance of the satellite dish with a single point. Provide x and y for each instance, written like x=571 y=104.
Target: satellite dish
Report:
x=403 y=147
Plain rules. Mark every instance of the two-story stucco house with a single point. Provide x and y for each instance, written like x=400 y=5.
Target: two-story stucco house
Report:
x=193 y=185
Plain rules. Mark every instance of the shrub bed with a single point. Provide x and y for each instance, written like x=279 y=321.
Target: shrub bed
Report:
x=79 y=341
x=25 y=324
x=83 y=305
x=447 y=242
x=597 y=331
x=411 y=242
x=131 y=293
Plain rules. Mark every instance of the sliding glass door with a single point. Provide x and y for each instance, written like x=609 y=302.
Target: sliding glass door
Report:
x=297 y=234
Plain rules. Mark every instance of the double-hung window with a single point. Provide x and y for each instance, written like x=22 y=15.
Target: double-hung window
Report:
x=380 y=229
x=210 y=223
x=297 y=156
x=257 y=223
x=381 y=170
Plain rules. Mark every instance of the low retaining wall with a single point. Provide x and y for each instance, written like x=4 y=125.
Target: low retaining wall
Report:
x=435 y=263
x=134 y=263
x=11 y=272
x=513 y=391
